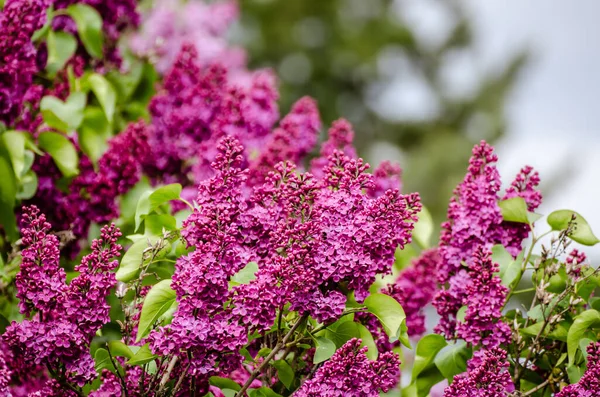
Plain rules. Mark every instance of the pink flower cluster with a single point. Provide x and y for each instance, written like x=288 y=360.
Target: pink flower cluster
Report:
x=61 y=319
x=589 y=384
x=350 y=373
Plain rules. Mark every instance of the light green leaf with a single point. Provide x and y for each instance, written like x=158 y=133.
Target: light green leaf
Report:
x=151 y=200
x=89 y=27
x=426 y=351
x=155 y=224
x=64 y=116
x=105 y=93
x=28 y=187
x=423 y=229
x=102 y=361
x=94 y=133
x=62 y=152
x=575 y=373
x=224 y=383
x=452 y=359
x=285 y=373
x=390 y=314
x=247 y=274
x=582 y=232
x=142 y=356
x=584 y=321
x=367 y=340
x=325 y=348
x=514 y=210
x=341 y=332
x=158 y=300
x=14 y=142
x=61 y=47
x=133 y=258
x=263 y=392
x=119 y=349
x=8 y=191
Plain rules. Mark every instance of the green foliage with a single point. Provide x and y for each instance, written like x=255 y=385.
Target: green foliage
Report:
x=64 y=116
x=89 y=27
x=581 y=232
x=61 y=47
x=62 y=151
x=451 y=360
x=142 y=356
x=391 y=315
x=159 y=299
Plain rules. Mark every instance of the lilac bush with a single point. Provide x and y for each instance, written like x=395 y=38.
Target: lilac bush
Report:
x=255 y=260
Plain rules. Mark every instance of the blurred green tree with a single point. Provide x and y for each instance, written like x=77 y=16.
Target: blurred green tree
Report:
x=349 y=54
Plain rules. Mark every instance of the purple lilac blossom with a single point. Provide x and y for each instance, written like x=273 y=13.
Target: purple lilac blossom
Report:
x=589 y=384
x=349 y=372
x=475 y=219
x=487 y=376
x=61 y=319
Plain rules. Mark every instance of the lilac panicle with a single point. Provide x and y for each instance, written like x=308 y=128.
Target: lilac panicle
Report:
x=62 y=319
x=414 y=289
x=589 y=384
x=341 y=136
x=475 y=220
x=18 y=56
x=349 y=372
x=487 y=376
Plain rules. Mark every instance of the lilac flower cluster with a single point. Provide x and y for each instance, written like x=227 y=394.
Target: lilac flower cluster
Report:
x=414 y=288
x=313 y=240
x=62 y=319
x=589 y=384
x=350 y=372
x=487 y=376
x=169 y=25
x=475 y=220
x=18 y=56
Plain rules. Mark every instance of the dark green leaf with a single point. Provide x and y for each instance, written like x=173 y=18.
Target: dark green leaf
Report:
x=584 y=321
x=64 y=116
x=341 y=332
x=368 y=341
x=158 y=300
x=285 y=373
x=426 y=351
x=89 y=27
x=102 y=360
x=224 y=383
x=8 y=191
x=452 y=359
x=119 y=349
x=582 y=232
x=263 y=392
x=94 y=133
x=62 y=152
x=61 y=47
x=14 y=142
x=142 y=356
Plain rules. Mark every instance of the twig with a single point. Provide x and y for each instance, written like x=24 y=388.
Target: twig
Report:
x=275 y=350
x=537 y=388
x=112 y=360
x=167 y=374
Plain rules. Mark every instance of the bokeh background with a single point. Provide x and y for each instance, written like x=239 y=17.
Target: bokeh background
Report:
x=423 y=80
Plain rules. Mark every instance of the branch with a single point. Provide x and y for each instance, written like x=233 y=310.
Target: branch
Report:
x=275 y=350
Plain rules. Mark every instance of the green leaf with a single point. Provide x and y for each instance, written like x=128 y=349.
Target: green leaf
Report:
x=514 y=210
x=102 y=361
x=8 y=191
x=423 y=229
x=582 y=232
x=341 y=332
x=325 y=348
x=426 y=351
x=94 y=133
x=29 y=184
x=105 y=93
x=510 y=273
x=367 y=340
x=575 y=373
x=142 y=356
x=151 y=200
x=158 y=300
x=247 y=274
x=452 y=359
x=61 y=47
x=62 y=152
x=224 y=383
x=64 y=116
x=263 y=392
x=89 y=27
x=119 y=349
x=584 y=321
x=14 y=142
x=156 y=223
x=132 y=260
x=390 y=314
x=285 y=373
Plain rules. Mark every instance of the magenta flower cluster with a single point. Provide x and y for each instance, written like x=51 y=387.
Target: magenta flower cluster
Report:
x=589 y=384
x=350 y=373
x=61 y=319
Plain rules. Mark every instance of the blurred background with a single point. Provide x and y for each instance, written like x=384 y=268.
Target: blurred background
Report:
x=423 y=80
